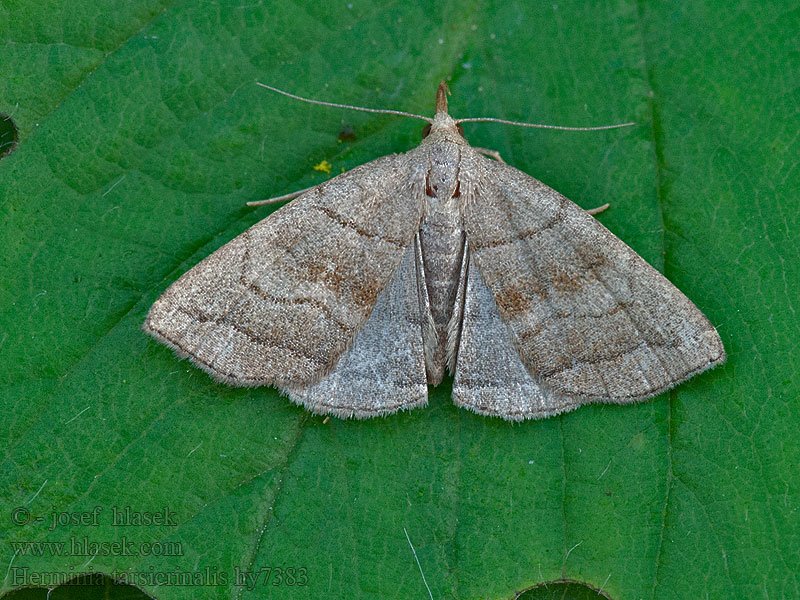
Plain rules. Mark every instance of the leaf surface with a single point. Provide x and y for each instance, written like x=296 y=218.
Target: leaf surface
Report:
x=142 y=135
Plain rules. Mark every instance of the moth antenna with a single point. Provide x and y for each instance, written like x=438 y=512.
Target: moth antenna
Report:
x=384 y=111
x=540 y=126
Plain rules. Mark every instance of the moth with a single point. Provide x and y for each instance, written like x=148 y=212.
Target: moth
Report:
x=363 y=291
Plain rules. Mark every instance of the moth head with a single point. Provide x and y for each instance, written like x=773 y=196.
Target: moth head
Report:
x=427 y=130
x=443 y=124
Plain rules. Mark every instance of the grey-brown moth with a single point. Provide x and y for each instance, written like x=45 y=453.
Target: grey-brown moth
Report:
x=359 y=294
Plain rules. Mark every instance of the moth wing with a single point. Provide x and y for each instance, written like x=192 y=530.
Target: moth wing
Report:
x=280 y=303
x=384 y=370
x=590 y=319
x=490 y=378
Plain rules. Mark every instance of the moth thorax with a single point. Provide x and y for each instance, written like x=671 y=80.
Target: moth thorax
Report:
x=441 y=181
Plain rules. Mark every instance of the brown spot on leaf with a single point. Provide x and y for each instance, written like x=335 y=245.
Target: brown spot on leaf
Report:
x=347 y=134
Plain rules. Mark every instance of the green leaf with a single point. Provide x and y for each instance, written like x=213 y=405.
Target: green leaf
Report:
x=92 y=586
x=142 y=135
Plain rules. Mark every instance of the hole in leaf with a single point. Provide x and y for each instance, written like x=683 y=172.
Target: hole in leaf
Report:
x=89 y=586
x=8 y=135
x=562 y=589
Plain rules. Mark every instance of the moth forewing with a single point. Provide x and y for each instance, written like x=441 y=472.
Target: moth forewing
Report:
x=590 y=319
x=280 y=304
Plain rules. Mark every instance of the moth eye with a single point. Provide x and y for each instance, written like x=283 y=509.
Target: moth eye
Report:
x=460 y=129
x=426 y=130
